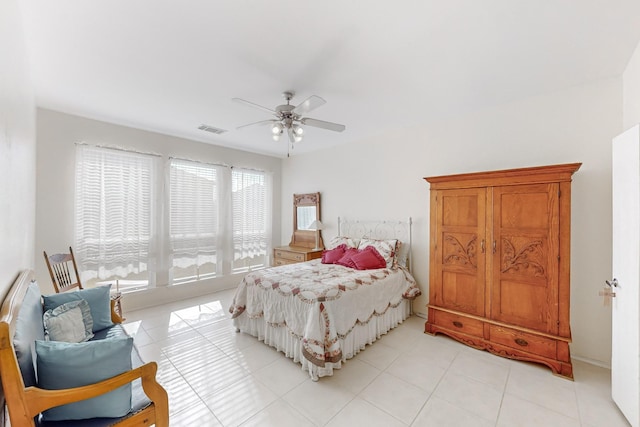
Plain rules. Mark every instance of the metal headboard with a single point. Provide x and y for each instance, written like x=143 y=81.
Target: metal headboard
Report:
x=400 y=230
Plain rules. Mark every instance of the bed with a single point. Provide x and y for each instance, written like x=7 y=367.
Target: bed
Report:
x=321 y=314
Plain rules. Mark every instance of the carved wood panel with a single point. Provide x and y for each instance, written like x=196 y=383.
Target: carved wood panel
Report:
x=523 y=256
x=460 y=250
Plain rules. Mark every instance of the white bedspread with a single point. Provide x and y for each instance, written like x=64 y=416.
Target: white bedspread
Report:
x=320 y=304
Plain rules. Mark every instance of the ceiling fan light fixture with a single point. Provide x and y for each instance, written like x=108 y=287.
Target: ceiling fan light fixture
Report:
x=291 y=118
x=276 y=129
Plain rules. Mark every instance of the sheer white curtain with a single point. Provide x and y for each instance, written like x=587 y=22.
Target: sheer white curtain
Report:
x=251 y=217
x=115 y=206
x=206 y=220
x=194 y=218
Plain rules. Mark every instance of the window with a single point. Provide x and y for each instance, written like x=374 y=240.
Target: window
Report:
x=214 y=220
x=194 y=219
x=115 y=207
x=251 y=213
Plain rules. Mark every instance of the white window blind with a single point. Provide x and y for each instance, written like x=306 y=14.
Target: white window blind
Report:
x=194 y=219
x=115 y=208
x=213 y=219
x=251 y=215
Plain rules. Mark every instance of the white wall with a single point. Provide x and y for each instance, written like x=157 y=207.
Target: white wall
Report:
x=17 y=148
x=382 y=178
x=378 y=178
x=631 y=91
x=17 y=154
x=57 y=135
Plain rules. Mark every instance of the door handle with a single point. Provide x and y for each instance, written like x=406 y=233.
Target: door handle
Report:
x=608 y=293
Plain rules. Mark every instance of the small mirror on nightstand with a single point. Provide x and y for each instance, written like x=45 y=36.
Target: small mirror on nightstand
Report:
x=306 y=221
x=306 y=241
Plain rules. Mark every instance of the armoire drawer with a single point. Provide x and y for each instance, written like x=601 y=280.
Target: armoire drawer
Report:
x=462 y=324
x=531 y=343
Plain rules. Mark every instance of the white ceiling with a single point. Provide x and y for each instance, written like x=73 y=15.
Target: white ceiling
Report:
x=170 y=66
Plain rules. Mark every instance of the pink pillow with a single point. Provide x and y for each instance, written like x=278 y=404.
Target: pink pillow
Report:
x=346 y=258
x=368 y=259
x=386 y=248
x=332 y=255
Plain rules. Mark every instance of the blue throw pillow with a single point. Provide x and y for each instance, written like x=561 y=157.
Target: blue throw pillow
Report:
x=98 y=299
x=67 y=365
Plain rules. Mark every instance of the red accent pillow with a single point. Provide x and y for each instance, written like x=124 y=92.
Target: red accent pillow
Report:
x=346 y=258
x=332 y=255
x=368 y=259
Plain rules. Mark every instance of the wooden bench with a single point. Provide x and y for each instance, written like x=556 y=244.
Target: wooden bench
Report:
x=25 y=403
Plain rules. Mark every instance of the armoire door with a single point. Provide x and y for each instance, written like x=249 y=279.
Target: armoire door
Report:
x=459 y=274
x=524 y=265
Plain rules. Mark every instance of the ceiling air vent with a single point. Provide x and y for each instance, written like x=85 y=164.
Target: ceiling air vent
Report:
x=211 y=129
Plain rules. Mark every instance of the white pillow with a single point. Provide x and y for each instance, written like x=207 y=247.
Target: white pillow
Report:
x=339 y=240
x=402 y=254
x=69 y=322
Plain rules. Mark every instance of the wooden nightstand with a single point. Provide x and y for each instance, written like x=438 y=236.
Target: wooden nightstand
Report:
x=292 y=254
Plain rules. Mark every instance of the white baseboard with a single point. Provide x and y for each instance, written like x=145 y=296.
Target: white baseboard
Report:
x=423 y=315
x=598 y=363
x=166 y=294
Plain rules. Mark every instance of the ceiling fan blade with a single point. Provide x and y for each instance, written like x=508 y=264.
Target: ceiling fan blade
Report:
x=309 y=104
x=322 y=124
x=251 y=104
x=292 y=137
x=260 y=123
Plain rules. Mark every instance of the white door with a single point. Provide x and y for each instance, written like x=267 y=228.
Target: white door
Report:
x=625 y=357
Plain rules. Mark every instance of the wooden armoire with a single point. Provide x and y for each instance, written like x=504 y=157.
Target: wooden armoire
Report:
x=499 y=262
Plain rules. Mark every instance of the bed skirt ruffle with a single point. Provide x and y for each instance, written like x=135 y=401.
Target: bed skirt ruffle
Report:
x=283 y=339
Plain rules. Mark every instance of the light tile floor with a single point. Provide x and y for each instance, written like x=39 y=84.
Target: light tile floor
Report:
x=216 y=377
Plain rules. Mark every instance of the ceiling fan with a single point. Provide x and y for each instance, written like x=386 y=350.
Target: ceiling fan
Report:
x=289 y=118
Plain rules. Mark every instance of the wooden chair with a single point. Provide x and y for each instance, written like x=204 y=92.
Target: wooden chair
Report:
x=63 y=271
x=64 y=275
